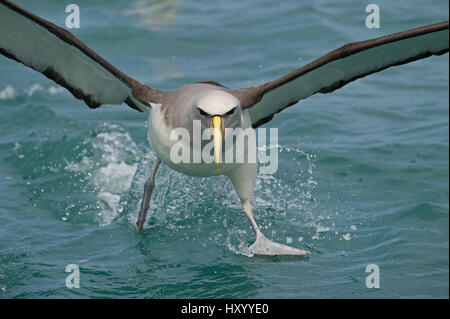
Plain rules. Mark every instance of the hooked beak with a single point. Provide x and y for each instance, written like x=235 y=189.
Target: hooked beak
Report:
x=218 y=127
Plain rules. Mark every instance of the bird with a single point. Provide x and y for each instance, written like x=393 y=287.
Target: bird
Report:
x=206 y=105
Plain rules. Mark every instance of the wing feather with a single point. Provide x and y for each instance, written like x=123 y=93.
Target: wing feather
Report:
x=339 y=67
x=63 y=58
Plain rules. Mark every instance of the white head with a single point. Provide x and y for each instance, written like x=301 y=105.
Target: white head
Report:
x=220 y=110
x=216 y=109
x=216 y=102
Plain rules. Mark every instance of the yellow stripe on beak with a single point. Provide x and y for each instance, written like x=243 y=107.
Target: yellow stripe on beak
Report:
x=218 y=132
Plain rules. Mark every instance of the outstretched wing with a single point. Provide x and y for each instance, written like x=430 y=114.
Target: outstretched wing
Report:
x=339 y=67
x=60 y=56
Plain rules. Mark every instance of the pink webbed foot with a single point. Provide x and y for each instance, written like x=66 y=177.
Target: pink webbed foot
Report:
x=264 y=246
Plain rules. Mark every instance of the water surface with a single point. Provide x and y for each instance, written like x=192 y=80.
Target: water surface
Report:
x=363 y=172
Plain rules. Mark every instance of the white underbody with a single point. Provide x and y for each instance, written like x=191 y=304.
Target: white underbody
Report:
x=242 y=175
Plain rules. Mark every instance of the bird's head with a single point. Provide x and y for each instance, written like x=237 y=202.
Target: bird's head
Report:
x=217 y=110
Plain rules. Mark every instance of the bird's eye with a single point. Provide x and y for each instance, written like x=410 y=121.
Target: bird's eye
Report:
x=230 y=112
x=203 y=113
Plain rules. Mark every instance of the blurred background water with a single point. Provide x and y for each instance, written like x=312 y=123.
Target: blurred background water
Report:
x=363 y=172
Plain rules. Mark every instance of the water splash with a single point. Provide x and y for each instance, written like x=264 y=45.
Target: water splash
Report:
x=106 y=163
x=277 y=199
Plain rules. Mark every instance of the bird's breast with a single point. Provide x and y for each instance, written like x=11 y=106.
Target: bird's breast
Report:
x=178 y=151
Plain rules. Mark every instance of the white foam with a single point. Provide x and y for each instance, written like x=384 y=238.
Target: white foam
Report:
x=55 y=89
x=7 y=93
x=110 y=207
x=35 y=87
x=110 y=169
x=115 y=177
x=16 y=146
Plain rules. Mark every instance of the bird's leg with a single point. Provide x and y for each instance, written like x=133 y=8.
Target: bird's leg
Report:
x=148 y=189
x=264 y=246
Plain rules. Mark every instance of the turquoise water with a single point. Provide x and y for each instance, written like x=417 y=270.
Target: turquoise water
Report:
x=363 y=172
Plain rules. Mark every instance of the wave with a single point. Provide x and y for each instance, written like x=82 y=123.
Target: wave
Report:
x=9 y=92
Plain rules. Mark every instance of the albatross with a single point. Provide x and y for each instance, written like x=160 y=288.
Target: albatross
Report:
x=63 y=58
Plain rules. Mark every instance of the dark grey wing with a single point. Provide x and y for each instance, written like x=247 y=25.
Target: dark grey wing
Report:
x=339 y=67
x=60 y=56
